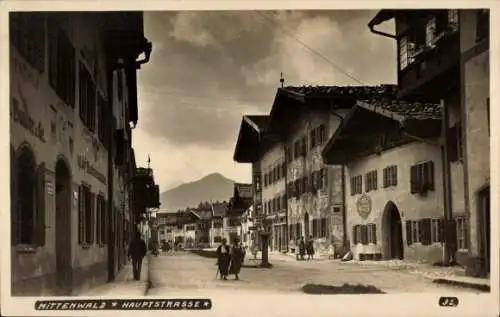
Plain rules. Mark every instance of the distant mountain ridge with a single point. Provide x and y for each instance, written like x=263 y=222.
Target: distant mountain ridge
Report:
x=211 y=187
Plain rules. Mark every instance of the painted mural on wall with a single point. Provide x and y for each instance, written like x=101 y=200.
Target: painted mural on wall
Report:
x=364 y=206
x=20 y=114
x=90 y=157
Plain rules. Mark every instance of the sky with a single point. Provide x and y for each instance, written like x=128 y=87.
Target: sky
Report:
x=208 y=69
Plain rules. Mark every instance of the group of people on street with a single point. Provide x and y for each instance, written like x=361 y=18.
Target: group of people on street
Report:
x=230 y=259
x=306 y=247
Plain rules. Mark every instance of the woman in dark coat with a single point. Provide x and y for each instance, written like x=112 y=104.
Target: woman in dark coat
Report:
x=237 y=257
x=302 y=248
x=310 y=248
x=223 y=259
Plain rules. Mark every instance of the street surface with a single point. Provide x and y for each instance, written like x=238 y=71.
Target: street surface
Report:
x=184 y=273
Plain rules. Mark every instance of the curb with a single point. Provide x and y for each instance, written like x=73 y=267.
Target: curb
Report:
x=479 y=287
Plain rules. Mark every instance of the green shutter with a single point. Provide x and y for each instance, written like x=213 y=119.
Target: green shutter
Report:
x=40 y=205
x=409 y=238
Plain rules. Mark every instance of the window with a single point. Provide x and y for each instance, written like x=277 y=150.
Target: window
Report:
x=27 y=35
x=62 y=66
x=390 y=176
x=217 y=239
x=436 y=230
x=336 y=209
x=27 y=199
x=101 y=119
x=296 y=149
x=190 y=228
x=404 y=53
x=87 y=98
x=217 y=225
x=357 y=234
x=322 y=134
x=315 y=228
x=86 y=213
x=430 y=31
x=482 y=24
x=356 y=185
x=422 y=178
x=322 y=227
x=372 y=233
x=313 y=138
x=101 y=220
x=462 y=233
x=453 y=19
x=371 y=181
x=298 y=230
x=303 y=146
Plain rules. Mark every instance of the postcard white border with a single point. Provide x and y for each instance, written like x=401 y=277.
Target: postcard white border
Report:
x=261 y=303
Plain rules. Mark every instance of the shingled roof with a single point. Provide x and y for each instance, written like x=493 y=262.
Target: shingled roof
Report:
x=403 y=110
x=360 y=92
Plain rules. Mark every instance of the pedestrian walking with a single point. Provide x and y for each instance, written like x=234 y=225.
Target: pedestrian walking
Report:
x=310 y=248
x=302 y=248
x=223 y=259
x=137 y=251
x=237 y=258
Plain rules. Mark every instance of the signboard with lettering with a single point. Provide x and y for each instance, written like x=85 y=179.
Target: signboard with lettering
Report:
x=364 y=206
x=23 y=118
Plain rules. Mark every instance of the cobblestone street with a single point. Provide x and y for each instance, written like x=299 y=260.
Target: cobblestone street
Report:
x=186 y=273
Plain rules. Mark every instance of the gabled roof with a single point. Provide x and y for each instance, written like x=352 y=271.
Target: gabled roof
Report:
x=252 y=129
x=422 y=120
x=289 y=100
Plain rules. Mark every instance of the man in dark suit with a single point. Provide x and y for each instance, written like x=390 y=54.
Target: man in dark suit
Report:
x=137 y=251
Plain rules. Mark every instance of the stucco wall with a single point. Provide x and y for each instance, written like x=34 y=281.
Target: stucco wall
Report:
x=323 y=204
x=411 y=207
x=65 y=137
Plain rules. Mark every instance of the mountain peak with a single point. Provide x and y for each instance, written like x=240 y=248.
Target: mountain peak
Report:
x=214 y=186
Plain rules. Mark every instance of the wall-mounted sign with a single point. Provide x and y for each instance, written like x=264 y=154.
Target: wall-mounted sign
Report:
x=364 y=205
x=26 y=121
x=87 y=166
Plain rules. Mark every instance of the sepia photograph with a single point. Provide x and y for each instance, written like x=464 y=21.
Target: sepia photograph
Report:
x=272 y=153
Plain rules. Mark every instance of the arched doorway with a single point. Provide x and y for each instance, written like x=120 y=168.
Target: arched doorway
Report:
x=392 y=233
x=484 y=225
x=306 y=225
x=63 y=227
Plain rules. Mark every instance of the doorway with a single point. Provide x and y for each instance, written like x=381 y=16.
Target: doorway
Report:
x=306 y=225
x=484 y=205
x=63 y=228
x=392 y=232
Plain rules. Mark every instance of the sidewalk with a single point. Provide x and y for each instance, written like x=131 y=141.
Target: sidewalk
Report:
x=124 y=284
x=440 y=275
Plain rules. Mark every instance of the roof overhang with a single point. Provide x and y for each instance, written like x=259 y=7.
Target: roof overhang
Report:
x=247 y=145
x=413 y=127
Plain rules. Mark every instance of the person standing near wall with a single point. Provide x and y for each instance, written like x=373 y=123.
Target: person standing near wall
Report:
x=137 y=251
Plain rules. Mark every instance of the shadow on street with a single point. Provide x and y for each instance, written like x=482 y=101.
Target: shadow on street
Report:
x=344 y=289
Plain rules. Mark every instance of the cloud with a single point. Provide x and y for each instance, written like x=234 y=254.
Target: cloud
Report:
x=209 y=68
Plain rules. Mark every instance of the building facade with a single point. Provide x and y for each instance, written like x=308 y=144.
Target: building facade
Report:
x=65 y=121
x=394 y=171
x=444 y=57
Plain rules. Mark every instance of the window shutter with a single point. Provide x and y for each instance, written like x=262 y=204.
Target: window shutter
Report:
x=325 y=177
x=40 y=205
x=92 y=217
x=413 y=179
x=374 y=233
x=81 y=215
x=430 y=175
x=354 y=235
x=425 y=231
x=352 y=186
x=409 y=239
x=13 y=197
x=364 y=235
